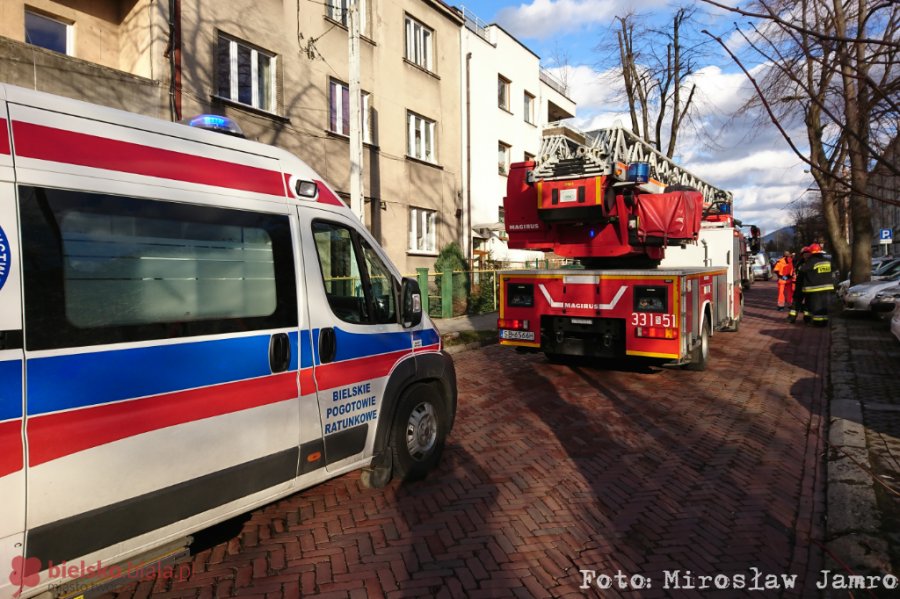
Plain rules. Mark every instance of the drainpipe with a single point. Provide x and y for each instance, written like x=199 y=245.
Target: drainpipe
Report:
x=174 y=54
x=468 y=220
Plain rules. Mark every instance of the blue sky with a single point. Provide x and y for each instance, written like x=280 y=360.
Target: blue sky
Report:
x=740 y=153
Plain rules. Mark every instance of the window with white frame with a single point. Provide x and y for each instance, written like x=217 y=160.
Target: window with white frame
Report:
x=529 y=108
x=338 y=10
x=422 y=236
x=245 y=74
x=339 y=110
x=420 y=142
x=503 y=92
x=47 y=32
x=418 y=43
x=502 y=158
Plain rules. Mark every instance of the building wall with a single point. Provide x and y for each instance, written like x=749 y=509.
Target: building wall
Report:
x=120 y=59
x=311 y=50
x=495 y=53
x=116 y=56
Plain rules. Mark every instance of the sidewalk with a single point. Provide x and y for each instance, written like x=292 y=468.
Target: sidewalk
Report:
x=863 y=528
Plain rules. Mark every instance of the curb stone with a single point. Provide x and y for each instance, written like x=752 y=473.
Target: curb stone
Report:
x=853 y=517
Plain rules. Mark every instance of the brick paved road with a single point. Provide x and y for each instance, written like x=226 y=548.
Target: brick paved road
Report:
x=554 y=468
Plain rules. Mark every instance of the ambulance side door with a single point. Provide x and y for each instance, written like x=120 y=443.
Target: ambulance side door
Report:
x=12 y=470
x=357 y=340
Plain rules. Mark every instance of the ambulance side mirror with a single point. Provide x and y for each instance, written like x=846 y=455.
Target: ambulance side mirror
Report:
x=411 y=303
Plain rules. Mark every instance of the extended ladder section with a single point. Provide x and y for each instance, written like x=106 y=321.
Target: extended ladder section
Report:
x=606 y=196
x=566 y=154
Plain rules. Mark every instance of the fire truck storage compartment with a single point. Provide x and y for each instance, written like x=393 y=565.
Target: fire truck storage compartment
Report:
x=669 y=216
x=573 y=336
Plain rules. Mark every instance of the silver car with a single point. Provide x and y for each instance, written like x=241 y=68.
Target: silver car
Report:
x=859 y=298
x=886 y=299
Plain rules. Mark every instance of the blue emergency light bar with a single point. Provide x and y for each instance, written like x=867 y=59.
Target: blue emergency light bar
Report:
x=215 y=122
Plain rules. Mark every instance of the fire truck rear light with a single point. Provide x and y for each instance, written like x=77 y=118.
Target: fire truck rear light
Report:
x=514 y=324
x=656 y=332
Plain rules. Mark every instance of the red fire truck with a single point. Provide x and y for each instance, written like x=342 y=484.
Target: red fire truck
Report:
x=658 y=253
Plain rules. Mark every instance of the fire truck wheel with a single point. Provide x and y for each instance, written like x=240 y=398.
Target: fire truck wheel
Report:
x=419 y=432
x=700 y=354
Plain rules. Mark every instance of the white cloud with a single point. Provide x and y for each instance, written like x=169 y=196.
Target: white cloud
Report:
x=541 y=19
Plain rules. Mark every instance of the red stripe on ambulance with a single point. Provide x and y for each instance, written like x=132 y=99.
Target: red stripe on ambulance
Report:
x=57 y=435
x=69 y=147
x=10 y=447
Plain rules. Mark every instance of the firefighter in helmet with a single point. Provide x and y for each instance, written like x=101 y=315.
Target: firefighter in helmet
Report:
x=798 y=304
x=815 y=284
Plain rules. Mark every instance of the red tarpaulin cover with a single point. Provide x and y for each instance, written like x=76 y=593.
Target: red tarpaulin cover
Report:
x=670 y=216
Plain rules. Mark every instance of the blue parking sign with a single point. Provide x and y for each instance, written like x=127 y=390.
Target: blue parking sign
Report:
x=886 y=236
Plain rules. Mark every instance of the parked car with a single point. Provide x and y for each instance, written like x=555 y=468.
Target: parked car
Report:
x=761 y=268
x=879 y=273
x=886 y=299
x=859 y=298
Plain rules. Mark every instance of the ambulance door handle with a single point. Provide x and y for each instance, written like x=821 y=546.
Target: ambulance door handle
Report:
x=327 y=345
x=279 y=352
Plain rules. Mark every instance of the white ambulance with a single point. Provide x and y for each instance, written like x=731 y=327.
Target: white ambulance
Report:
x=191 y=325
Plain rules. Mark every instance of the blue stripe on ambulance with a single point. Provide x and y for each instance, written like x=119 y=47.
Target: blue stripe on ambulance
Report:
x=351 y=346
x=10 y=389
x=80 y=380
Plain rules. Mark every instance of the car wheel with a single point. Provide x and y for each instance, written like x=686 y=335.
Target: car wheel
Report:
x=700 y=354
x=419 y=432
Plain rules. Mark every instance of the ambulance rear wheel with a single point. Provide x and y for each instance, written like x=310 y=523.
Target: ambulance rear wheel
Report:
x=700 y=354
x=419 y=432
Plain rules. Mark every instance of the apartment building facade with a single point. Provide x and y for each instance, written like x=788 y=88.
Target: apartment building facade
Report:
x=509 y=101
x=280 y=69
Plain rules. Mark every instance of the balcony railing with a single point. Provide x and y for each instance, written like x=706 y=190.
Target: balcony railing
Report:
x=554 y=83
x=475 y=25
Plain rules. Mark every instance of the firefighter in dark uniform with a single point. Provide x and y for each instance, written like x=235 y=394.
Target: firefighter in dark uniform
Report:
x=797 y=305
x=815 y=282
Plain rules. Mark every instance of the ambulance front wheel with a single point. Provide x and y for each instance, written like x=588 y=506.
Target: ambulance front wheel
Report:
x=419 y=432
x=700 y=354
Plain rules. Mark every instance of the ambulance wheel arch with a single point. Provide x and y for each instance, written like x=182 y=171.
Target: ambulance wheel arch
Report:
x=430 y=379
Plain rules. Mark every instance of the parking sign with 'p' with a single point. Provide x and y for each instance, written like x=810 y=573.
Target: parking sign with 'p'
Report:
x=886 y=236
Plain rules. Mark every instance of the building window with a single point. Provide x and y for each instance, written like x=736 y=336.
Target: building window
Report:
x=422 y=230
x=116 y=268
x=246 y=74
x=418 y=43
x=421 y=138
x=501 y=214
x=528 y=157
x=503 y=92
x=338 y=10
x=529 y=108
x=48 y=33
x=502 y=158
x=339 y=110
x=360 y=291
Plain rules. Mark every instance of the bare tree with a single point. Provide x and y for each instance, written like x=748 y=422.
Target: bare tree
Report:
x=831 y=65
x=654 y=66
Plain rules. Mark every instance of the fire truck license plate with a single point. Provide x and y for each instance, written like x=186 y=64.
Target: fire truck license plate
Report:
x=523 y=335
x=645 y=319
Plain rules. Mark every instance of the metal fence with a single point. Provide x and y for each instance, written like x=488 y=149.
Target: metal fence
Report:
x=472 y=291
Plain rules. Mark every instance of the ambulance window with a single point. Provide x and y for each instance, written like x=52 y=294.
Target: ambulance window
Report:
x=340 y=272
x=105 y=269
x=383 y=287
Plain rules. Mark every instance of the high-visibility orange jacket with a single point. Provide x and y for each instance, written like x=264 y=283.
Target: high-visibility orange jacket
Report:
x=784 y=267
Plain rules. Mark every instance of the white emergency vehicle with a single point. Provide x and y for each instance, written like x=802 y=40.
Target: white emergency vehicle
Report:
x=191 y=325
